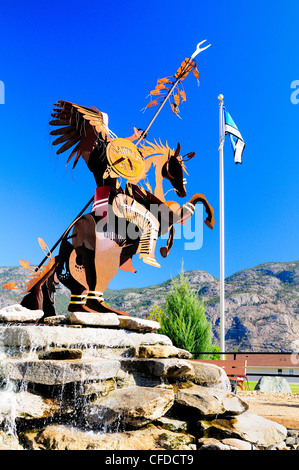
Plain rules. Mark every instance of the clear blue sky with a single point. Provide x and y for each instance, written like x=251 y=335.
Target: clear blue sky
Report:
x=109 y=54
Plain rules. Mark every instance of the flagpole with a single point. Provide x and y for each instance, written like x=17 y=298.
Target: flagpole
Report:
x=221 y=201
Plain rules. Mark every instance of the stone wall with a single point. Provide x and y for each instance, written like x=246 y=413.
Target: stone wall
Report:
x=91 y=381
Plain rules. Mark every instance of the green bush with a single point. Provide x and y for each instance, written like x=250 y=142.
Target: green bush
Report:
x=155 y=314
x=184 y=320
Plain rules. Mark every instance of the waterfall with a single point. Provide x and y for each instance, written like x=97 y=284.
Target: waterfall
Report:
x=8 y=409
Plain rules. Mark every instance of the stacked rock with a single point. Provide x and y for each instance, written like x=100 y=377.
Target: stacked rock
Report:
x=90 y=381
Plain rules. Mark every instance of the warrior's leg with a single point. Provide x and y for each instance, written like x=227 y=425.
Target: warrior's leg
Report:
x=126 y=207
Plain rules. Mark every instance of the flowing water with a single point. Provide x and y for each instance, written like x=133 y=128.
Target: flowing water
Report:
x=8 y=409
x=18 y=402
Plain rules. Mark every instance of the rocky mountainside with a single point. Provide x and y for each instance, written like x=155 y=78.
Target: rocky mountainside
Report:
x=262 y=303
x=262 y=308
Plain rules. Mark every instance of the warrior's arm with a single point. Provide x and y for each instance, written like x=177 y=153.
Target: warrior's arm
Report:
x=136 y=136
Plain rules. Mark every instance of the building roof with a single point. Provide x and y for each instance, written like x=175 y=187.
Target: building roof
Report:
x=268 y=360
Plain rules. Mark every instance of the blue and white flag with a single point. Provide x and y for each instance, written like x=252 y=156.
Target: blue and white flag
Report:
x=230 y=128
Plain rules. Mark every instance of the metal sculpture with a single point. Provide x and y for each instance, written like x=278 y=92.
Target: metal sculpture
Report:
x=123 y=221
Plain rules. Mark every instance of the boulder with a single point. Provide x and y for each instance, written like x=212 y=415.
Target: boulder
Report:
x=18 y=313
x=138 y=324
x=174 y=425
x=210 y=375
x=43 y=336
x=28 y=406
x=93 y=319
x=173 y=440
x=58 y=437
x=238 y=444
x=102 y=387
x=248 y=427
x=135 y=406
x=273 y=384
x=156 y=351
x=212 y=444
x=226 y=444
x=55 y=320
x=56 y=372
x=171 y=368
x=62 y=354
x=208 y=402
x=9 y=442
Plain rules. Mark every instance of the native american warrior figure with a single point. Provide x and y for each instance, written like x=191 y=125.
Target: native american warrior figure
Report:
x=108 y=158
x=123 y=222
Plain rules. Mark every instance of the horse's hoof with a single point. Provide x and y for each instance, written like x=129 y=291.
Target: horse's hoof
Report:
x=209 y=224
x=163 y=252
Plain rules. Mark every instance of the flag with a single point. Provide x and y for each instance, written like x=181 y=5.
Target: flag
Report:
x=230 y=128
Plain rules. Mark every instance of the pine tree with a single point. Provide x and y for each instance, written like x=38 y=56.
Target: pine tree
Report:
x=184 y=320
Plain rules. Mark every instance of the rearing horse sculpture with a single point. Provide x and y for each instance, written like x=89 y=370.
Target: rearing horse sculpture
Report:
x=101 y=242
x=170 y=165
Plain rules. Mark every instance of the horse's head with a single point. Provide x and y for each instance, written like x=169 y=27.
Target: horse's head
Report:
x=174 y=168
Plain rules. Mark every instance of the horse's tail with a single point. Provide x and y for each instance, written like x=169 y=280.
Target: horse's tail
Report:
x=41 y=275
x=42 y=283
x=39 y=287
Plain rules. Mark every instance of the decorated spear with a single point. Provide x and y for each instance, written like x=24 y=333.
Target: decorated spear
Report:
x=167 y=84
x=169 y=88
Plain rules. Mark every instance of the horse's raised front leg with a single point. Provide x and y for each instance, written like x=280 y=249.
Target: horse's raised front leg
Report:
x=187 y=210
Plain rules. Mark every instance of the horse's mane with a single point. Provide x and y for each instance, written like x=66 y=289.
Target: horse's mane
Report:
x=152 y=149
